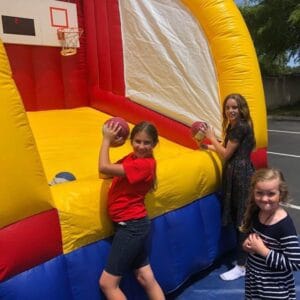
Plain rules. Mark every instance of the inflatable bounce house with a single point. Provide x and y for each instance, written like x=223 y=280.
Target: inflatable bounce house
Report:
x=68 y=66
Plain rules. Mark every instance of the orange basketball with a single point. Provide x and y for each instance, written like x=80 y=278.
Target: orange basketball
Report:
x=124 y=132
x=195 y=130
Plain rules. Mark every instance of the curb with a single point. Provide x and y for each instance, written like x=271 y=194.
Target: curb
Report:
x=284 y=118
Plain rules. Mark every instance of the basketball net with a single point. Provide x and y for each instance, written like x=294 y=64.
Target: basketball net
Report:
x=69 y=39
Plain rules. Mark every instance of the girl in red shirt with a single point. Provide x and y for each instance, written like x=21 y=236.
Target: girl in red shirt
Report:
x=133 y=177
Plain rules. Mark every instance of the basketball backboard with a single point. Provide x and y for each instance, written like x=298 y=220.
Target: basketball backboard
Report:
x=35 y=22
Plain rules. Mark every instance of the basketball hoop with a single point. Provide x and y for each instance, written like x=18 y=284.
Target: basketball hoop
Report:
x=69 y=39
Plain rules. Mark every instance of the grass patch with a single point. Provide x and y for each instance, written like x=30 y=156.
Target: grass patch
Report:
x=288 y=110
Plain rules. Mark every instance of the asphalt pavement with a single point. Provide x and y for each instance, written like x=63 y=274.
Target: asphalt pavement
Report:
x=284 y=153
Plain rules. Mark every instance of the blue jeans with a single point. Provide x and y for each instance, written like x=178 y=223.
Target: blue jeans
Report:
x=128 y=250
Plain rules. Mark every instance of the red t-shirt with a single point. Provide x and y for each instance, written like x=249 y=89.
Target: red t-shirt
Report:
x=127 y=193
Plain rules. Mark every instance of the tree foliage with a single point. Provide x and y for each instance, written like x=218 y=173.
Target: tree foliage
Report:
x=274 y=26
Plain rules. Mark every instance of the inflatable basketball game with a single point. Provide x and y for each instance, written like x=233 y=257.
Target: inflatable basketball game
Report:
x=68 y=66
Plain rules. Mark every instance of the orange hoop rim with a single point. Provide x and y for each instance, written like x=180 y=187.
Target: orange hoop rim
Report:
x=62 y=31
x=69 y=39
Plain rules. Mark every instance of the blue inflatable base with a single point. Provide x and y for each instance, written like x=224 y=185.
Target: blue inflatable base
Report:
x=208 y=285
x=182 y=242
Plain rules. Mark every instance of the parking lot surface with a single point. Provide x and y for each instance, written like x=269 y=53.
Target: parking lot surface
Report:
x=284 y=153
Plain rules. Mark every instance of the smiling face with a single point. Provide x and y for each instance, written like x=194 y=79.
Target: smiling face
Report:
x=267 y=195
x=232 y=110
x=142 y=144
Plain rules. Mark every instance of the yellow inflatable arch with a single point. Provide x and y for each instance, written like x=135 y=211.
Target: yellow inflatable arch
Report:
x=234 y=56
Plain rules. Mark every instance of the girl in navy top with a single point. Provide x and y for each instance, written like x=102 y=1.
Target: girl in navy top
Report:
x=272 y=244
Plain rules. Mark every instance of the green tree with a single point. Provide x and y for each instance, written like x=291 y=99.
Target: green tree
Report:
x=274 y=26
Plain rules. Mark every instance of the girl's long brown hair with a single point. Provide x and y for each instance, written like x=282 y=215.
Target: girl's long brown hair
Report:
x=243 y=110
x=260 y=175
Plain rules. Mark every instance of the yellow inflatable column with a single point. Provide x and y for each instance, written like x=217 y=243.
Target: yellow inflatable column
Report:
x=23 y=187
x=234 y=57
